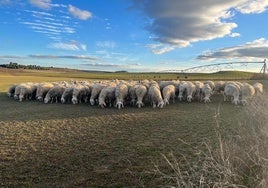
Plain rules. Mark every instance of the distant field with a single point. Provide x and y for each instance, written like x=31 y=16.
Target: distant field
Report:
x=64 y=145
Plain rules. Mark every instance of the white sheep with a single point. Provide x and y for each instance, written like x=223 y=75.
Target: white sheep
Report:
x=233 y=91
x=198 y=89
x=54 y=94
x=11 y=90
x=96 y=89
x=107 y=94
x=258 y=88
x=42 y=90
x=206 y=93
x=219 y=87
x=28 y=91
x=81 y=92
x=168 y=92
x=140 y=92
x=18 y=90
x=190 y=91
x=182 y=90
x=67 y=94
x=247 y=92
x=155 y=96
x=211 y=84
x=132 y=94
x=121 y=92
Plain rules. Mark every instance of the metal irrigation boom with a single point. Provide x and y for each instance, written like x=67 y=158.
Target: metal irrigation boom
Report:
x=263 y=70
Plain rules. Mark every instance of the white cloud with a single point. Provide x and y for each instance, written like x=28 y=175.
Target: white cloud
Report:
x=255 y=6
x=43 y=4
x=80 y=14
x=255 y=49
x=72 y=45
x=180 y=23
x=106 y=44
x=160 y=48
x=234 y=35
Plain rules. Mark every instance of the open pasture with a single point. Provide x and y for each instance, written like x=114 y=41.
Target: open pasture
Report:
x=65 y=145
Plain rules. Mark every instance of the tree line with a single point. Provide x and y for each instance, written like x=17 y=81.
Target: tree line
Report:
x=12 y=65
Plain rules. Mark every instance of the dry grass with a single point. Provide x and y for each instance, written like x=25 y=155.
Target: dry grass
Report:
x=239 y=159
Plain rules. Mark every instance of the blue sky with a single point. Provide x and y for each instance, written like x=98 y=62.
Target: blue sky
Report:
x=134 y=35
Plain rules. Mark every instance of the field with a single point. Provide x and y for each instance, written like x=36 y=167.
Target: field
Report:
x=64 y=145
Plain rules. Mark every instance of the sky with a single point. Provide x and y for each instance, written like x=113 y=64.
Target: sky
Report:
x=134 y=35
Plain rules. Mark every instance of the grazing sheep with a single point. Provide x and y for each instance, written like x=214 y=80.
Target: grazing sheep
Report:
x=211 y=84
x=11 y=90
x=121 y=93
x=247 y=92
x=54 y=94
x=132 y=94
x=182 y=90
x=198 y=90
x=258 y=88
x=81 y=92
x=190 y=91
x=140 y=92
x=96 y=89
x=219 y=87
x=206 y=92
x=167 y=93
x=107 y=94
x=28 y=91
x=233 y=91
x=155 y=96
x=67 y=94
x=42 y=90
x=18 y=89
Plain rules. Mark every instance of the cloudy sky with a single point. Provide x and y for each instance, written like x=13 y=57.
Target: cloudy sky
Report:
x=133 y=35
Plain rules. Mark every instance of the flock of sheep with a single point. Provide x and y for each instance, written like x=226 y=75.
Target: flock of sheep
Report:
x=119 y=93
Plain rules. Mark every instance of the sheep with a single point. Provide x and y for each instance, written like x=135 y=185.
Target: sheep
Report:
x=211 y=84
x=219 y=87
x=167 y=93
x=28 y=91
x=18 y=89
x=121 y=92
x=258 y=88
x=107 y=93
x=81 y=92
x=54 y=94
x=67 y=94
x=190 y=91
x=96 y=89
x=247 y=92
x=11 y=90
x=42 y=90
x=132 y=94
x=206 y=92
x=155 y=95
x=182 y=90
x=233 y=91
x=198 y=89
x=140 y=92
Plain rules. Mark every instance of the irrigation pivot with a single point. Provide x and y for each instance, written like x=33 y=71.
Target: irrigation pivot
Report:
x=212 y=67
